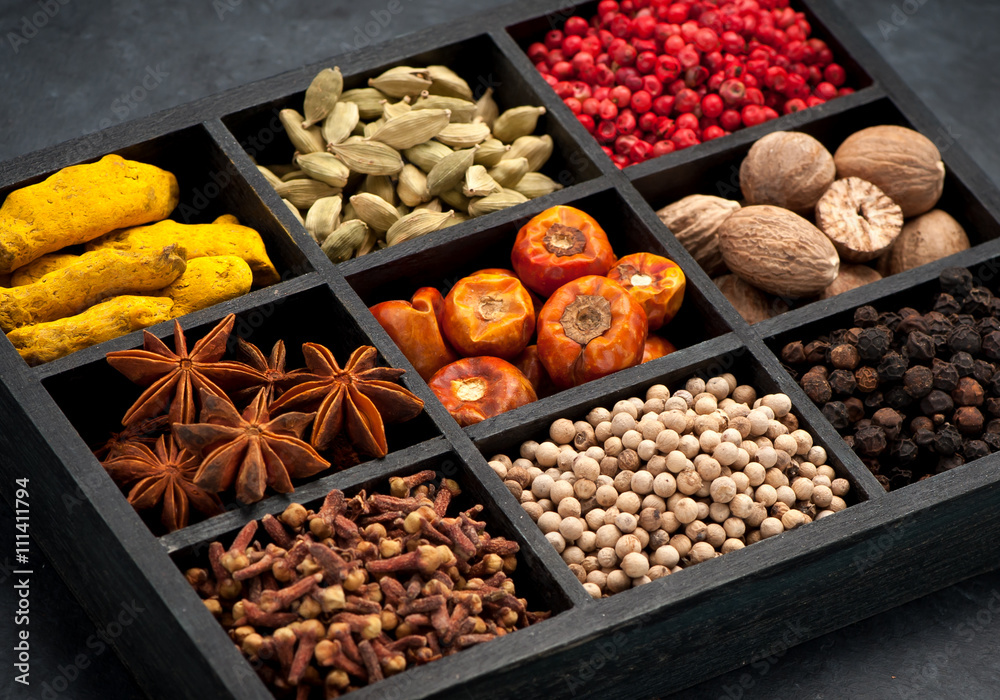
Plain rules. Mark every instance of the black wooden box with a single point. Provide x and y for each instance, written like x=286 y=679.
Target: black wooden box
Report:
x=885 y=549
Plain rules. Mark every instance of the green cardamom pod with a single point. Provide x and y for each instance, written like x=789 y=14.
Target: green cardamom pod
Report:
x=341 y=122
x=369 y=101
x=295 y=211
x=305 y=140
x=455 y=199
x=486 y=108
x=323 y=217
x=517 y=122
x=490 y=152
x=449 y=171
x=418 y=223
x=412 y=186
x=370 y=158
x=534 y=185
x=375 y=211
x=347 y=238
x=380 y=186
x=273 y=179
x=412 y=128
x=537 y=149
x=321 y=95
x=495 y=202
x=400 y=83
x=396 y=109
x=369 y=244
x=478 y=183
x=463 y=135
x=445 y=81
x=461 y=110
x=509 y=171
x=433 y=205
x=304 y=193
x=426 y=155
x=324 y=167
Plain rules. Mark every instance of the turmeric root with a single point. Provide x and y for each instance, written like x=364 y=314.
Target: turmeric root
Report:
x=223 y=237
x=80 y=203
x=92 y=278
x=39 y=267
x=44 y=342
x=208 y=281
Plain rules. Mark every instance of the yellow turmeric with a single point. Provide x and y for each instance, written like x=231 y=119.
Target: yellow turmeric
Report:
x=44 y=342
x=92 y=278
x=223 y=237
x=208 y=281
x=39 y=267
x=80 y=203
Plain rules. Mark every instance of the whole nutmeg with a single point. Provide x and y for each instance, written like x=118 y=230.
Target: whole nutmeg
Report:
x=787 y=169
x=850 y=277
x=859 y=218
x=695 y=221
x=751 y=303
x=778 y=251
x=901 y=162
x=924 y=239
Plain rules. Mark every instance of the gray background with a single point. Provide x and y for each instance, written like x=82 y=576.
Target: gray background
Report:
x=74 y=76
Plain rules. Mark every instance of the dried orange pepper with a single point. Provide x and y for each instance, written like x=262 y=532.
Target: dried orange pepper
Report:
x=488 y=314
x=415 y=326
x=657 y=346
x=476 y=388
x=656 y=282
x=589 y=328
x=558 y=246
x=531 y=367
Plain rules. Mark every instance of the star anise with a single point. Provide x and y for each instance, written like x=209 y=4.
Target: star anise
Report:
x=174 y=376
x=274 y=379
x=144 y=431
x=253 y=450
x=163 y=474
x=359 y=396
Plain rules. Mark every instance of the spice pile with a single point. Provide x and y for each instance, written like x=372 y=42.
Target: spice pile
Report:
x=250 y=436
x=363 y=588
x=814 y=225
x=56 y=298
x=412 y=153
x=593 y=315
x=914 y=394
x=638 y=492
x=648 y=77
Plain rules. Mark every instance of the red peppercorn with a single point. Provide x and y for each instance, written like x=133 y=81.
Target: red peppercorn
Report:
x=645 y=62
x=662 y=148
x=770 y=113
x=825 y=90
x=663 y=105
x=605 y=76
x=753 y=115
x=553 y=39
x=537 y=52
x=677 y=12
x=712 y=132
x=605 y=7
x=620 y=96
x=577 y=26
x=732 y=91
x=624 y=54
x=731 y=120
x=733 y=42
x=845 y=91
x=652 y=85
x=625 y=122
x=574 y=105
x=706 y=39
x=647 y=121
x=689 y=56
x=591 y=45
x=813 y=101
x=835 y=74
x=641 y=101
x=644 y=27
x=695 y=76
x=563 y=70
x=686 y=100
x=608 y=110
x=620 y=26
x=606 y=131
x=794 y=105
x=624 y=143
x=688 y=121
x=685 y=138
x=587 y=121
x=571 y=45
x=712 y=106
x=753 y=96
x=640 y=151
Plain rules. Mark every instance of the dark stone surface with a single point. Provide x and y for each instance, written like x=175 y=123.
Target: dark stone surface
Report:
x=74 y=76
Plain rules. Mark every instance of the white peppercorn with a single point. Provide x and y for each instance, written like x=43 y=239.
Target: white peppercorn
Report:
x=587 y=541
x=837 y=504
x=631 y=439
x=559 y=491
x=629 y=502
x=682 y=544
x=715 y=535
x=708 y=469
x=571 y=528
x=607 y=536
x=775 y=477
x=586 y=468
x=657 y=391
x=701 y=551
x=741 y=505
x=771 y=527
x=573 y=555
x=766 y=494
x=669 y=521
x=607 y=557
x=549 y=522
x=626 y=522
x=785 y=443
x=840 y=487
x=734 y=527
x=584 y=489
x=556 y=540
x=826 y=470
x=702 y=506
x=803 y=488
x=533 y=510
x=569 y=507
x=741 y=480
x=688 y=482
x=706 y=403
x=686 y=510
x=567 y=456
x=779 y=403
x=731 y=545
x=822 y=496
x=646 y=449
x=627 y=544
x=793 y=519
x=786 y=495
x=757 y=514
x=718 y=512
x=594 y=518
x=689 y=446
x=635 y=565
x=593 y=590
x=618 y=581
x=808 y=470
x=603 y=431
x=817 y=455
x=723 y=489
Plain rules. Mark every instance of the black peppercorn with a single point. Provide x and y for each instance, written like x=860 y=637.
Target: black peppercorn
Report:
x=995 y=307
x=911 y=322
x=892 y=367
x=900 y=478
x=870 y=440
x=919 y=347
x=963 y=320
x=897 y=398
x=968 y=392
x=816 y=351
x=842 y=381
x=921 y=423
x=947 y=304
x=904 y=451
x=889 y=319
x=948 y=462
x=884 y=480
x=937 y=323
x=844 y=356
x=793 y=353
x=947 y=440
x=875 y=400
x=816 y=387
x=987 y=324
x=991 y=345
x=836 y=413
x=974 y=449
x=917 y=381
x=993 y=406
x=968 y=420
x=873 y=343
x=866 y=378
x=945 y=375
x=865 y=316
x=855 y=409
x=982 y=371
x=993 y=426
x=963 y=338
x=937 y=402
x=978 y=301
x=923 y=438
x=890 y=420
x=849 y=441
x=964 y=363
x=955 y=280
x=993 y=440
